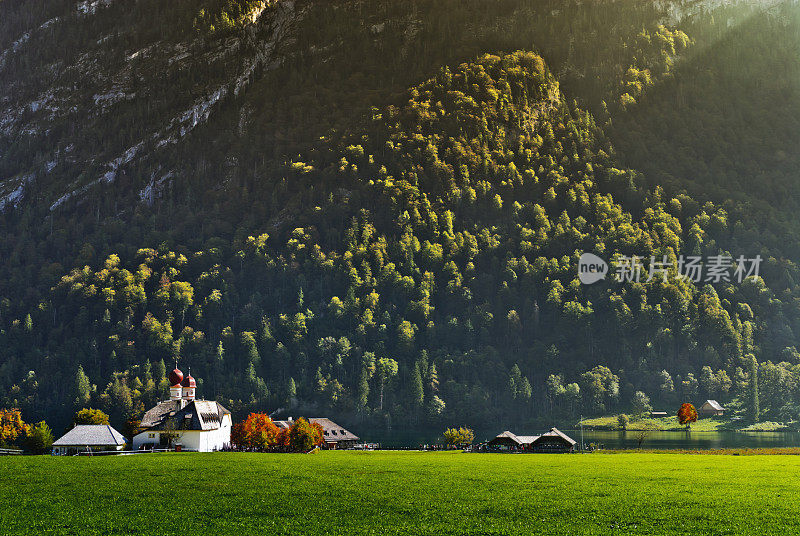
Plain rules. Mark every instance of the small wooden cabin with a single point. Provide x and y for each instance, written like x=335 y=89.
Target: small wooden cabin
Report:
x=710 y=408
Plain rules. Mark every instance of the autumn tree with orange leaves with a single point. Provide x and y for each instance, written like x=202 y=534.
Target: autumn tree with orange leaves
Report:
x=687 y=414
x=304 y=435
x=238 y=437
x=282 y=441
x=11 y=426
x=260 y=432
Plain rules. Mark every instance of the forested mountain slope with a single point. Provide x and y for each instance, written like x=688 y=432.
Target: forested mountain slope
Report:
x=377 y=209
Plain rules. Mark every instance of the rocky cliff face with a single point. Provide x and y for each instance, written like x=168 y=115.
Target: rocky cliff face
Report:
x=94 y=93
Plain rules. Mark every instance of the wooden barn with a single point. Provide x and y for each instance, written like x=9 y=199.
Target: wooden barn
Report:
x=551 y=441
x=507 y=442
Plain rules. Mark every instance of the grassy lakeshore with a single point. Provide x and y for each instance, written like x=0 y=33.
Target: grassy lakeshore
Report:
x=666 y=424
x=400 y=493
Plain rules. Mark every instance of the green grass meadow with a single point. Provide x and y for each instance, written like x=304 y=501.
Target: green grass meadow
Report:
x=405 y=493
x=610 y=422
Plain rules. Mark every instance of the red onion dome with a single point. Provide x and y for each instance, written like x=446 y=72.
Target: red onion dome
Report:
x=175 y=377
x=188 y=381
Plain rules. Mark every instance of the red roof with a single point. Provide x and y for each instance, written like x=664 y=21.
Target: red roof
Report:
x=188 y=381
x=175 y=377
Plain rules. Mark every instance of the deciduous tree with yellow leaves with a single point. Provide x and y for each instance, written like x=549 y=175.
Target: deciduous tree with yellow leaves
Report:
x=12 y=426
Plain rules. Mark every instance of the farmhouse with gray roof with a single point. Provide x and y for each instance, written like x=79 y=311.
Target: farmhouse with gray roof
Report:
x=334 y=436
x=89 y=438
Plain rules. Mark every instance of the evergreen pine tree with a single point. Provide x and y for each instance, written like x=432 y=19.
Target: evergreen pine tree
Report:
x=417 y=390
x=755 y=410
x=83 y=388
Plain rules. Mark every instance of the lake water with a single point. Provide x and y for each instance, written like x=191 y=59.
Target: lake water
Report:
x=688 y=440
x=611 y=440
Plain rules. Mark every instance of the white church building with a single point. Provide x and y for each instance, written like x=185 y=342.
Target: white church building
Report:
x=183 y=422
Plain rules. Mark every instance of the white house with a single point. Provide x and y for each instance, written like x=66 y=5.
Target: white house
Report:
x=88 y=438
x=183 y=422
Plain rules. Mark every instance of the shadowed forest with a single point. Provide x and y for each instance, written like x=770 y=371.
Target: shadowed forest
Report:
x=381 y=218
